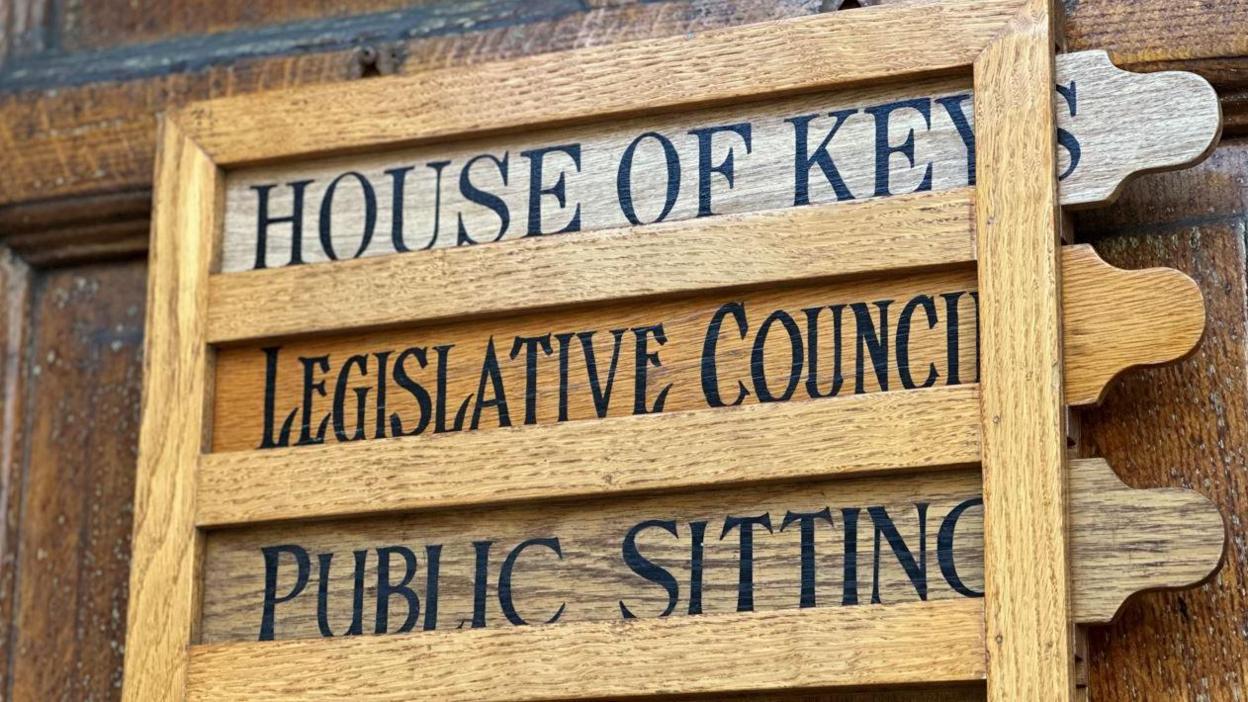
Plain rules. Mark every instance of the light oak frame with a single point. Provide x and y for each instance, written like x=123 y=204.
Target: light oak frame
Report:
x=1026 y=631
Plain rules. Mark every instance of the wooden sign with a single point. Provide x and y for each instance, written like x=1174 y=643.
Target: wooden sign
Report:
x=841 y=146
x=788 y=386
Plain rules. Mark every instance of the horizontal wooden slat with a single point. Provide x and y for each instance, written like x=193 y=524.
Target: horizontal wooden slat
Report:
x=728 y=446
x=778 y=245
x=925 y=642
x=711 y=68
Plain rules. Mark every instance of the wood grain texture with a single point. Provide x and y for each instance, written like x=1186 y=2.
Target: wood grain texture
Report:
x=873 y=334
x=88 y=138
x=1123 y=541
x=1151 y=32
x=15 y=283
x=1026 y=522
x=590 y=579
x=590 y=363
x=776 y=247
x=803 y=55
x=898 y=644
x=1161 y=121
x=100 y=136
x=72 y=509
x=1113 y=123
x=164 y=605
x=1182 y=425
x=657 y=452
x=1113 y=320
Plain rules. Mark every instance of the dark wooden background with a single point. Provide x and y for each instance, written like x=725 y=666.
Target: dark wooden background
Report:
x=81 y=83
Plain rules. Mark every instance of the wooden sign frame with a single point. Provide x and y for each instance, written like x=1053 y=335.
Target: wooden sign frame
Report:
x=1019 y=637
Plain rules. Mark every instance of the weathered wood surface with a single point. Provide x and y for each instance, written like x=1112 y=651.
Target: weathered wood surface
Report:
x=101 y=136
x=70 y=417
x=827 y=148
x=1193 y=419
x=836 y=338
x=70 y=135
x=1123 y=540
x=803 y=55
x=164 y=605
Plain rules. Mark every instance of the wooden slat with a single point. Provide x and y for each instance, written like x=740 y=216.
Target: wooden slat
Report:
x=164 y=577
x=1026 y=522
x=914 y=643
x=750 y=62
x=773 y=246
x=1123 y=540
x=750 y=443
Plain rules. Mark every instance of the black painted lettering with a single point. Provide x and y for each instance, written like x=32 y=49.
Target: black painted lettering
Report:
x=745 y=565
x=472 y=193
x=1065 y=139
x=272 y=560
x=849 y=577
x=903 y=341
x=806 y=526
x=398 y=178
x=646 y=568
x=327 y=211
x=490 y=372
x=558 y=190
x=504 y=580
x=944 y=547
x=404 y=380
x=915 y=571
x=758 y=358
x=310 y=386
x=697 y=549
x=530 y=344
x=324 y=561
x=710 y=373
x=706 y=137
x=803 y=161
x=812 y=352
x=624 y=178
x=386 y=589
x=873 y=342
x=264 y=220
x=644 y=360
x=953 y=106
x=340 y=393
x=884 y=148
x=270 y=400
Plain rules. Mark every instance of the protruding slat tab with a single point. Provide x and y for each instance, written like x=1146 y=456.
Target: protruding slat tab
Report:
x=1139 y=123
x=1126 y=540
x=1116 y=319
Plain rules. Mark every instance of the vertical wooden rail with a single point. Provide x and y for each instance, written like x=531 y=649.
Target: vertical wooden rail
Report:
x=1026 y=570
x=164 y=576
